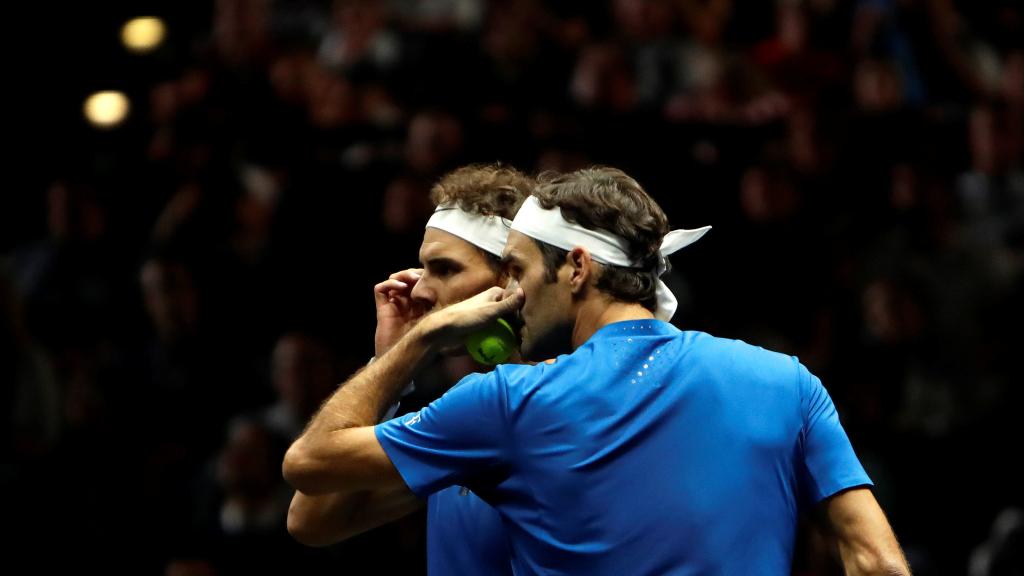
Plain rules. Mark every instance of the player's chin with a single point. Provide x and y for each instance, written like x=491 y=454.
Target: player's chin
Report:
x=546 y=344
x=526 y=347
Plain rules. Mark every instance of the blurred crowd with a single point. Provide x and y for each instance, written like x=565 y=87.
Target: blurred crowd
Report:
x=184 y=290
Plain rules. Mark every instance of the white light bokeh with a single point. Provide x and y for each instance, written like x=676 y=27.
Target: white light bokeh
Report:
x=143 y=35
x=106 y=109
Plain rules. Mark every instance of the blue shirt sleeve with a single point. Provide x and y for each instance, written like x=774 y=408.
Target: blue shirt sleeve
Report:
x=455 y=438
x=830 y=463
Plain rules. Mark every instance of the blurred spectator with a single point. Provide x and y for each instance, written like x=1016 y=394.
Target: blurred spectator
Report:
x=433 y=144
x=171 y=300
x=360 y=38
x=243 y=504
x=1001 y=553
x=33 y=423
x=406 y=204
x=303 y=374
x=241 y=31
x=253 y=499
x=439 y=16
x=603 y=80
x=648 y=29
x=69 y=275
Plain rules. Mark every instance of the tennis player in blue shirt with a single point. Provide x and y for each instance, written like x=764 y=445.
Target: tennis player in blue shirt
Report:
x=461 y=256
x=640 y=449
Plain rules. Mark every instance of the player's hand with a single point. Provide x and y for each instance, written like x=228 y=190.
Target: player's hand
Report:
x=448 y=326
x=397 y=312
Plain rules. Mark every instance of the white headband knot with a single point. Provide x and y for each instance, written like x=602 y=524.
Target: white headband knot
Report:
x=548 y=225
x=486 y=232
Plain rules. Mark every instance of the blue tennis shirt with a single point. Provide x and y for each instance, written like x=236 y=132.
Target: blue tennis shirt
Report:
x=646 y=451
x=465 y=535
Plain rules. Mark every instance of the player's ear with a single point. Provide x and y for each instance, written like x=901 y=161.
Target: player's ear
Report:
x=581 y=268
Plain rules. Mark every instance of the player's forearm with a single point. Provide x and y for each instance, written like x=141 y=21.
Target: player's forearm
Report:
x=872 y=553
x=865 y=541
x=864 y=562
x=313 y=459
x=326 y=519
x=320 y=520
x=365 y=397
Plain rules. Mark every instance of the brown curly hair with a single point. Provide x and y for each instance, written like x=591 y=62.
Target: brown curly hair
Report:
x=486 y=189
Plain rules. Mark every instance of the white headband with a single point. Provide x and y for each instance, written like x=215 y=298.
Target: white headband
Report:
x=547 y=225
x=486 y=232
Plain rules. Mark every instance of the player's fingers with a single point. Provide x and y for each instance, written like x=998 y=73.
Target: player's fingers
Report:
x=509 y=299
x=410 y=275
x=391 y=287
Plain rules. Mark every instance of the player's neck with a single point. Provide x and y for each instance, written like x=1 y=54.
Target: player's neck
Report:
x=596 y=313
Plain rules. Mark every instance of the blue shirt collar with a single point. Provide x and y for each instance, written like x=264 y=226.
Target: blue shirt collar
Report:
x=629 y=328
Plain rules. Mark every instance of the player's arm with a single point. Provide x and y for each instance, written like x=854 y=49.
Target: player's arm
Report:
x=324 y=519
x=339 y=450
x=865 y=541
x=345 y=483
x=338 y=457
x=330 y=518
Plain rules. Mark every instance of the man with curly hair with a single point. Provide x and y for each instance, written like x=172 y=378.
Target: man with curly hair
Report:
x=460 y=256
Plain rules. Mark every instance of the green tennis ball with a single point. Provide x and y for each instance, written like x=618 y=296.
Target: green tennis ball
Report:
x=492 y=344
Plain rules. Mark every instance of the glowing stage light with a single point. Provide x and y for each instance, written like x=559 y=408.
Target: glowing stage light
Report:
x=106 y=109
x=141 y=35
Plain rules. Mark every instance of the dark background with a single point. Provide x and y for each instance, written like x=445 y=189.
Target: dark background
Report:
x=178 y=293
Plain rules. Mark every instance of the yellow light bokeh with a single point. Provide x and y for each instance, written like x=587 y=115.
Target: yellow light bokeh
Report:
x=143 y=34
x=106 y=109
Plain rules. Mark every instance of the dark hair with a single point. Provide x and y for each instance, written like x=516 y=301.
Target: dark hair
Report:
x=485 y=189
x=608 y=199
